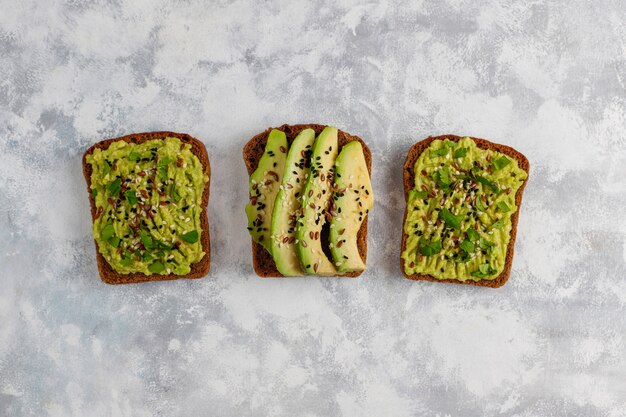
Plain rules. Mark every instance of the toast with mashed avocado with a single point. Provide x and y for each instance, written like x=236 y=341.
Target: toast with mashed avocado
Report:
x=309 y=199
x=148 y=194
x=463 y=200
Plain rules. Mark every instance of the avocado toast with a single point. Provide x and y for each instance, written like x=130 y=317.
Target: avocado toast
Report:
x=309 y=197
x=148 y=197
x=463 y=197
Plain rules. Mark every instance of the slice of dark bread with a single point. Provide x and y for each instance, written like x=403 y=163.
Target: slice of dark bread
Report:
x=262 y=260
x=198 y=269
x=409 y=181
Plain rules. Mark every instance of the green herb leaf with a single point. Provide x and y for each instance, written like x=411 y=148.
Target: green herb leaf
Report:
x=127 y=260
x=115 y=187
x=114 y=241
x=498 y=224
x=450 y=219
x=156 y=267
x=190 y=237
x=500 y=162
x=162 y=246
x=134 y=156
x=131 y=197
x=146 y=240
x=485 y=245
x=486 y=183
x=417 y=195
x=460 y=153
x=503 y=206
x=175 y=194
x=106 y=168
x=480 y=205
x=467 y=246
x=442 y=178
x=450 y=143
x=428 y=248
x=440 y=152
x=162 y=167
x=146 y=256
x=484 y=270
x=461 y=257
x=107 y=231
x=94 y=193
x=472 y=234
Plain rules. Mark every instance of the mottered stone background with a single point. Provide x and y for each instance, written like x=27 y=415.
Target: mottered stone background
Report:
x=548 y=78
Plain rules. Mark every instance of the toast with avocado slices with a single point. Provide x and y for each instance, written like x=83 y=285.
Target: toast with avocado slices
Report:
x=463 y=198
x=309 y=198
x=148 y=194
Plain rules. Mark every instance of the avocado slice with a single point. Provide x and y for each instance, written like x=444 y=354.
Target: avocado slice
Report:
x=288 y=204
x=264 y=185
x=315 y=200
x=353 y=200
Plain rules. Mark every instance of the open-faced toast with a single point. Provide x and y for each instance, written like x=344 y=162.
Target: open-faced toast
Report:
x=197 y=269
x=263 y=262
x=409 y=177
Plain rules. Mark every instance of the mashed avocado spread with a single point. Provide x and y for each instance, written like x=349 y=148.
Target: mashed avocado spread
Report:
x=458 y=219
x=148 y=200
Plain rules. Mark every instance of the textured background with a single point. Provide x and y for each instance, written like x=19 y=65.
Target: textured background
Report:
x=545 y=77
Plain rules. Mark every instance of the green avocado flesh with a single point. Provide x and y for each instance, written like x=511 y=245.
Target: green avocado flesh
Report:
x=148 y=200
x=458 y=221
x=312 y=201
x=353 y=200
x=316 y=198
x=287 y=207
x=264 y=185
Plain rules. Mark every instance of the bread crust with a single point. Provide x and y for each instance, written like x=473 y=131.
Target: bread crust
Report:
x=198 y=269
x=262 y=260
x=409 y=181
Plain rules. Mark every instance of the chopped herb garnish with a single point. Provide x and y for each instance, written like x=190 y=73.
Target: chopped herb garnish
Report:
x=450 y=219
x=500 y=162
x=460 y=153
x=467 y=246
x=485 y=245
x=114 y=241
x=440 y=152
x=472 y=234
x=146 y=240
x=94 y=193
x=461 y=257
x=480 y=205
x=130 y=197
x=449 y=143
x=190 y=237
x=428 y=248
x=486 y=183
x=107 y=231
x=115 y=187
x=106 y=168
x=126 y=261
x=162 y=167
x=175 y=194
x=417 y=194
x=503 y=206
x=498 y=224
x=484 y=270
x=156 y=267
x=442 y=178
x=134 y=156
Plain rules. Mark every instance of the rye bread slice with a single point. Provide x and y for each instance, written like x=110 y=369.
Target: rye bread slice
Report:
x=262 y=260
x=198 y=269
x=409 y=181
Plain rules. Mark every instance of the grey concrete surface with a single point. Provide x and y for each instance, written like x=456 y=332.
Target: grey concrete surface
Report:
x=545 y=77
